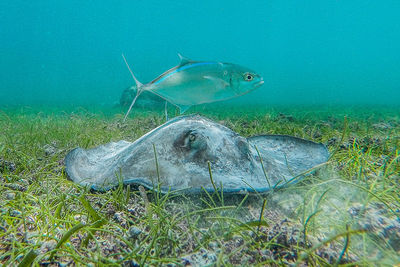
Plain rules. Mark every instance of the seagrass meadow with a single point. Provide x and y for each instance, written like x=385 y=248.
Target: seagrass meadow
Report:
x=344 y=213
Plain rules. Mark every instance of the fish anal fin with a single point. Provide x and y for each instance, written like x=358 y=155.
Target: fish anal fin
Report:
x=184 y=60
x=221 y=82
x=183 y=108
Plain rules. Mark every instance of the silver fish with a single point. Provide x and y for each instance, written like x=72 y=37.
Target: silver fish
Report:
x=197 y=82
x=184 y=147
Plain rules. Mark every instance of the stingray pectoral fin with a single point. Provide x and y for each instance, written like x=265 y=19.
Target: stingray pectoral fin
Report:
x=95 y=167
x=285 y=157
x=69 y=161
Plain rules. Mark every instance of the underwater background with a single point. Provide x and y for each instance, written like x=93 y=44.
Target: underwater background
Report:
x=309 y=52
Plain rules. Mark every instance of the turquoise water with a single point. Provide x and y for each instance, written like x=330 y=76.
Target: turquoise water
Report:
x=317 y=52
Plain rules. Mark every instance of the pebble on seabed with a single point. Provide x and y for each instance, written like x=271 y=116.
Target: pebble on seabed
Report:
x=10 y=195
x=7 y=165
x=47 y=246
x=134 y=232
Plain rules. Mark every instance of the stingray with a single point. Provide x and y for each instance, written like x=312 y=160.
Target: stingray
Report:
x=182 y=153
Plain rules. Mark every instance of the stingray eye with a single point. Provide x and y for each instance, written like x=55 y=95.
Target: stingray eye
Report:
x=192 y=137
x=248 y=76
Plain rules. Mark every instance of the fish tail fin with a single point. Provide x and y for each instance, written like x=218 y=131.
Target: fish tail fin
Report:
x=133 y=102
x=139 y=88
x=138 y=84
x=183 y=108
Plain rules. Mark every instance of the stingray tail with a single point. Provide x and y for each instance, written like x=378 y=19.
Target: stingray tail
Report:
x=139 y=88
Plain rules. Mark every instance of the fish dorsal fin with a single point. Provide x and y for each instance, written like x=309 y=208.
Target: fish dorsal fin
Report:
x=184 y=60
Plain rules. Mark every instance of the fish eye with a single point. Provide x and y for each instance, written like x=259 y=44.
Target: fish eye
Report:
x=248 y=76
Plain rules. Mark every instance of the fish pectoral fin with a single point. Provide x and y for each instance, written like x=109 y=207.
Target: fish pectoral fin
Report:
x=184 y=60
x=183 y=108
x=221 y=82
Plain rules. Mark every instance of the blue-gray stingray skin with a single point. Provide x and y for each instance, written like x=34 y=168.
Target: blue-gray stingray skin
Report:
x=184 y=146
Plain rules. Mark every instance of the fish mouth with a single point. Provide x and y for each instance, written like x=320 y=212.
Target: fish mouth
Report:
x=259 y=83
